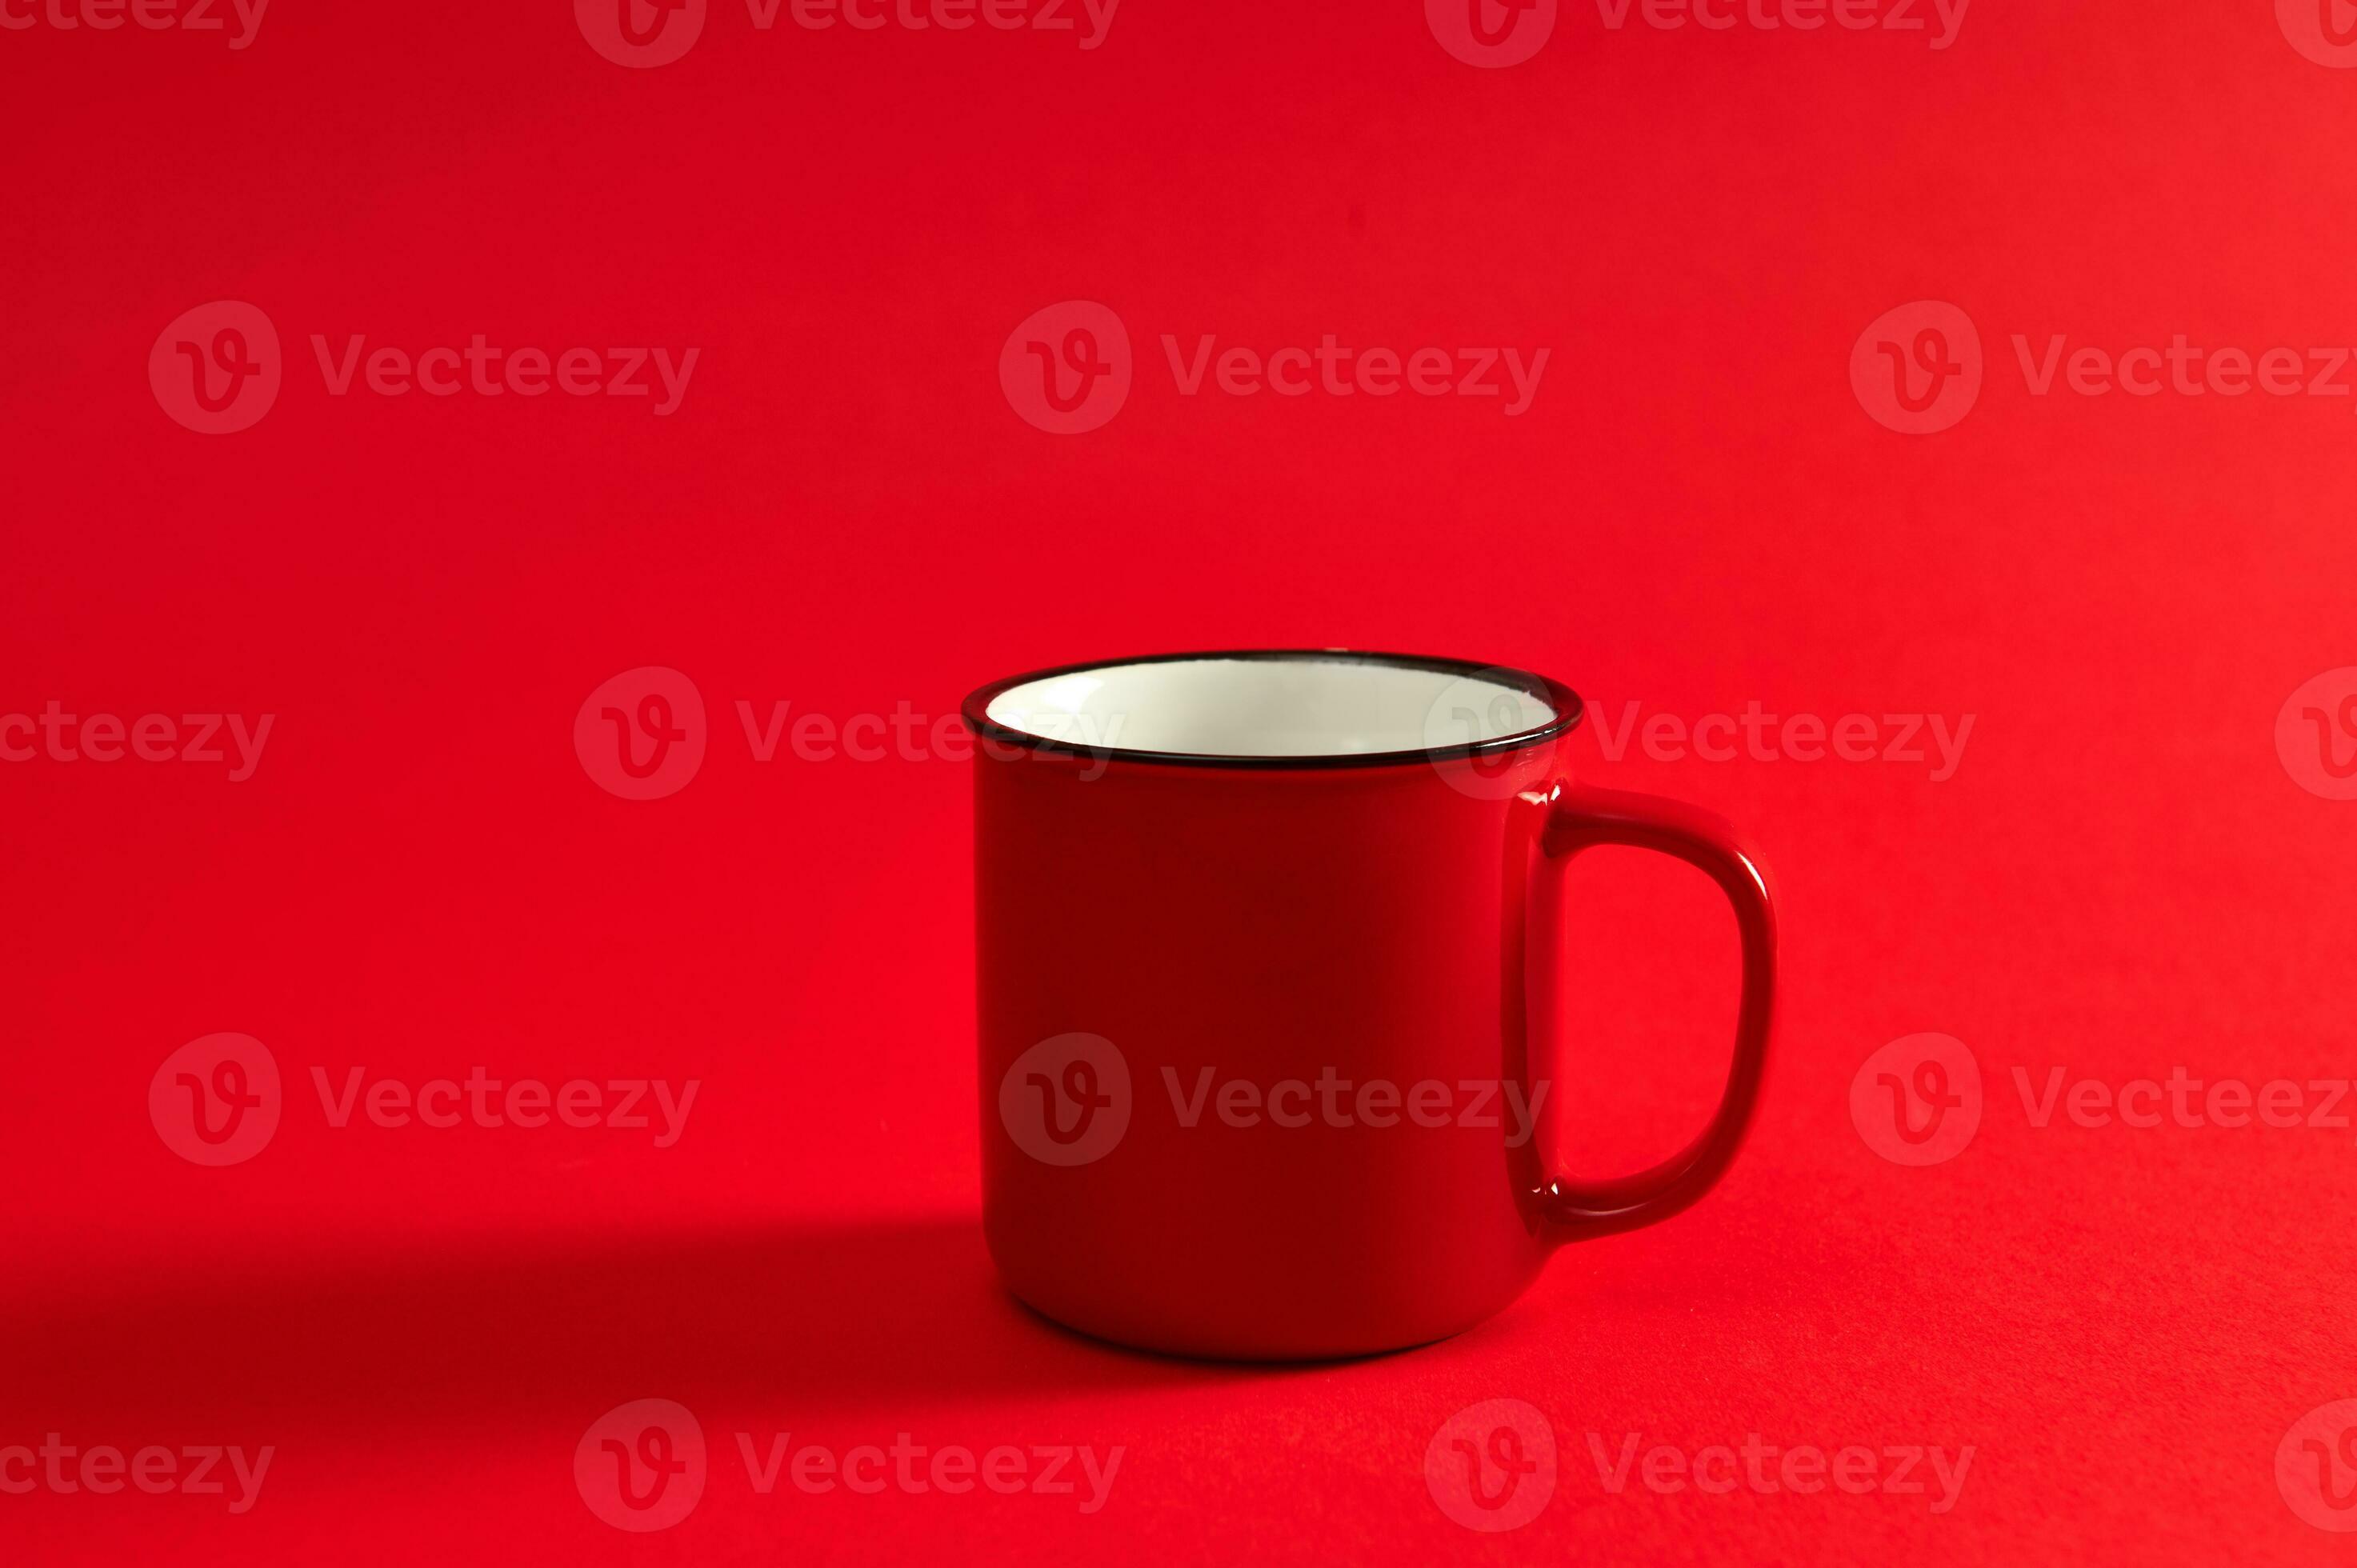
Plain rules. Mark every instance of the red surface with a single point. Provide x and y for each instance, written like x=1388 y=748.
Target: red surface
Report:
x=1693 y=514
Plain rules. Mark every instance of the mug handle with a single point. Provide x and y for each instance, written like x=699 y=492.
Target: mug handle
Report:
x=1580 y=819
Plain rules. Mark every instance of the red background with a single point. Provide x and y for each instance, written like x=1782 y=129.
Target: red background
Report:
x=1695 y=513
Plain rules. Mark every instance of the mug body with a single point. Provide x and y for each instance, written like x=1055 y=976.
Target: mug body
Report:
x=1256 y=1074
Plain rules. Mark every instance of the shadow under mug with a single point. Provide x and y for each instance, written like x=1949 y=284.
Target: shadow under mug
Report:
x=1258 y=936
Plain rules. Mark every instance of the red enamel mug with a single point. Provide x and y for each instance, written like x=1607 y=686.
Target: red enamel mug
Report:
x=1258 y=940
